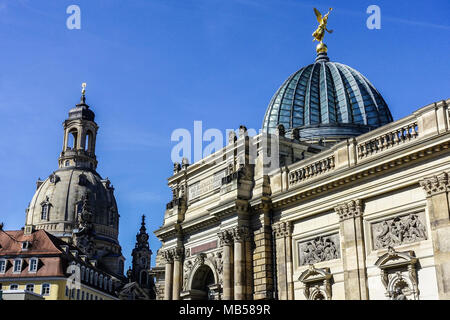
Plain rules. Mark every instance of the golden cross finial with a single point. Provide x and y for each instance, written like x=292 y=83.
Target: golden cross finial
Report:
x=320 y=31
x=83 y=88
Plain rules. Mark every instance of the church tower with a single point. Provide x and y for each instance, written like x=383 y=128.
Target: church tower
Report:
x=80 y=132
x=75 y=203
x=141 y=260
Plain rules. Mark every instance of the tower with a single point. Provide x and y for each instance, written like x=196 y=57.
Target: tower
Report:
x=141 y=261
x=80 y=133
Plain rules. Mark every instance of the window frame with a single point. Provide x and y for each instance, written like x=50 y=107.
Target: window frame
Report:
x=31 y=263
x=14 y=265
x=45 y=285
x=5 y=261
x=29 y=284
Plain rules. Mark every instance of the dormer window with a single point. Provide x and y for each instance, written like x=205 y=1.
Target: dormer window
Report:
x=33 y=265
x=2 y=266
x=26 y=245
x=17 y=266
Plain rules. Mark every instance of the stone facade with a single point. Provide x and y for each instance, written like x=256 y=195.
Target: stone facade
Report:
x=366 y=218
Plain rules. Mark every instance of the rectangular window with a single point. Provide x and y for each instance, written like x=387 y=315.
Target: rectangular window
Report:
x=29 y=287
x=18 y=265
x=82 y=295
x=67 y=291
x=33 y=265
x=78 y=294
x=45 y=289
x=13 y=287
x=2 y=266
x=44 y=212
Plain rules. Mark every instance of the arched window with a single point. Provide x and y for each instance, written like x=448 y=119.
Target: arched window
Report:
x=96 y=279
x=72 y=139
x=105 y=283
x=89 y=141
x=110 y=285
x=100 y=283
x=45 y=211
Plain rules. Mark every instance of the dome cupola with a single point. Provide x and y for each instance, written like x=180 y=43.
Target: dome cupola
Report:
x=326 y=101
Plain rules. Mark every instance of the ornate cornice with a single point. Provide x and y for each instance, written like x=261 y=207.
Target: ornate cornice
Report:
x=349 y=210
x=352 y=178
x=282 y=229
x=436 y=184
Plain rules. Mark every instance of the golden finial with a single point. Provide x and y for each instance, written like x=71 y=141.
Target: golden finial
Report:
x=320 y=31
x=83 y=88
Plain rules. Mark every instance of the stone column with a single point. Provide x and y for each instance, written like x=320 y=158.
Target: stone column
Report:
x=438 y=204
x=168 y=256
x=289 y=262
x=177 y=272
x=282 y=232
x=248 y=267
x=226 y=240
x=262 y=255
x=239 y=234
x=354 y=255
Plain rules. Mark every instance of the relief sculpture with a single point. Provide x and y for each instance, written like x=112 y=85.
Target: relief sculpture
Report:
x=319 y=249
x=399 y=230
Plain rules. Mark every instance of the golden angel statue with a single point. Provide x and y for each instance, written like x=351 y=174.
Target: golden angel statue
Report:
x=320 y=31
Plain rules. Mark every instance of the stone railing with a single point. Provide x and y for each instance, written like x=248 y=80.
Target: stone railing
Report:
x=400 y=135
x=311 y=170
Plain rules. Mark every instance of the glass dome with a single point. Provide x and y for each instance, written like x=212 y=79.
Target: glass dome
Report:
x=326 y=100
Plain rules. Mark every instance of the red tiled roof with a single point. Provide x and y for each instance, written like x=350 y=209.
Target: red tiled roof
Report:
x=43 y=245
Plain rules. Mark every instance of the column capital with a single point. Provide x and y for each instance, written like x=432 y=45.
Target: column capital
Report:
x=225 y=237
x=435 y=184
x=282 y=229
x=178 y=253
x=240 y=233
x=168 y=256
x=349 y=210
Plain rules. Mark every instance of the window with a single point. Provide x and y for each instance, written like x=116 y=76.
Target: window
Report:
x=13 y=287
x=45 y=289
x=18 y=265
x=45 y=211
x=78 y=294
x=26 y=245
x=96 y=279
x=82 y=295
x=2 y=266
x=101 y=281
x=67 y=291
x=33 y=265
x=29 y=287
x=105 y=283
x=91 y=278
x=82 y=273
x=72 y=293
x=67 y=163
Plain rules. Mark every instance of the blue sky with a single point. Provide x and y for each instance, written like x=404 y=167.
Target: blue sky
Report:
x=156 y=65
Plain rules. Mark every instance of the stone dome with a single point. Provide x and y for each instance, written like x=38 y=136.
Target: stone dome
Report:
x=64 y=191
x=326 y=100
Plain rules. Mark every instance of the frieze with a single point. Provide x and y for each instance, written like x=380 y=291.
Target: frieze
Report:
x=204 y=186
x=322 y=248
x=399 y=230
